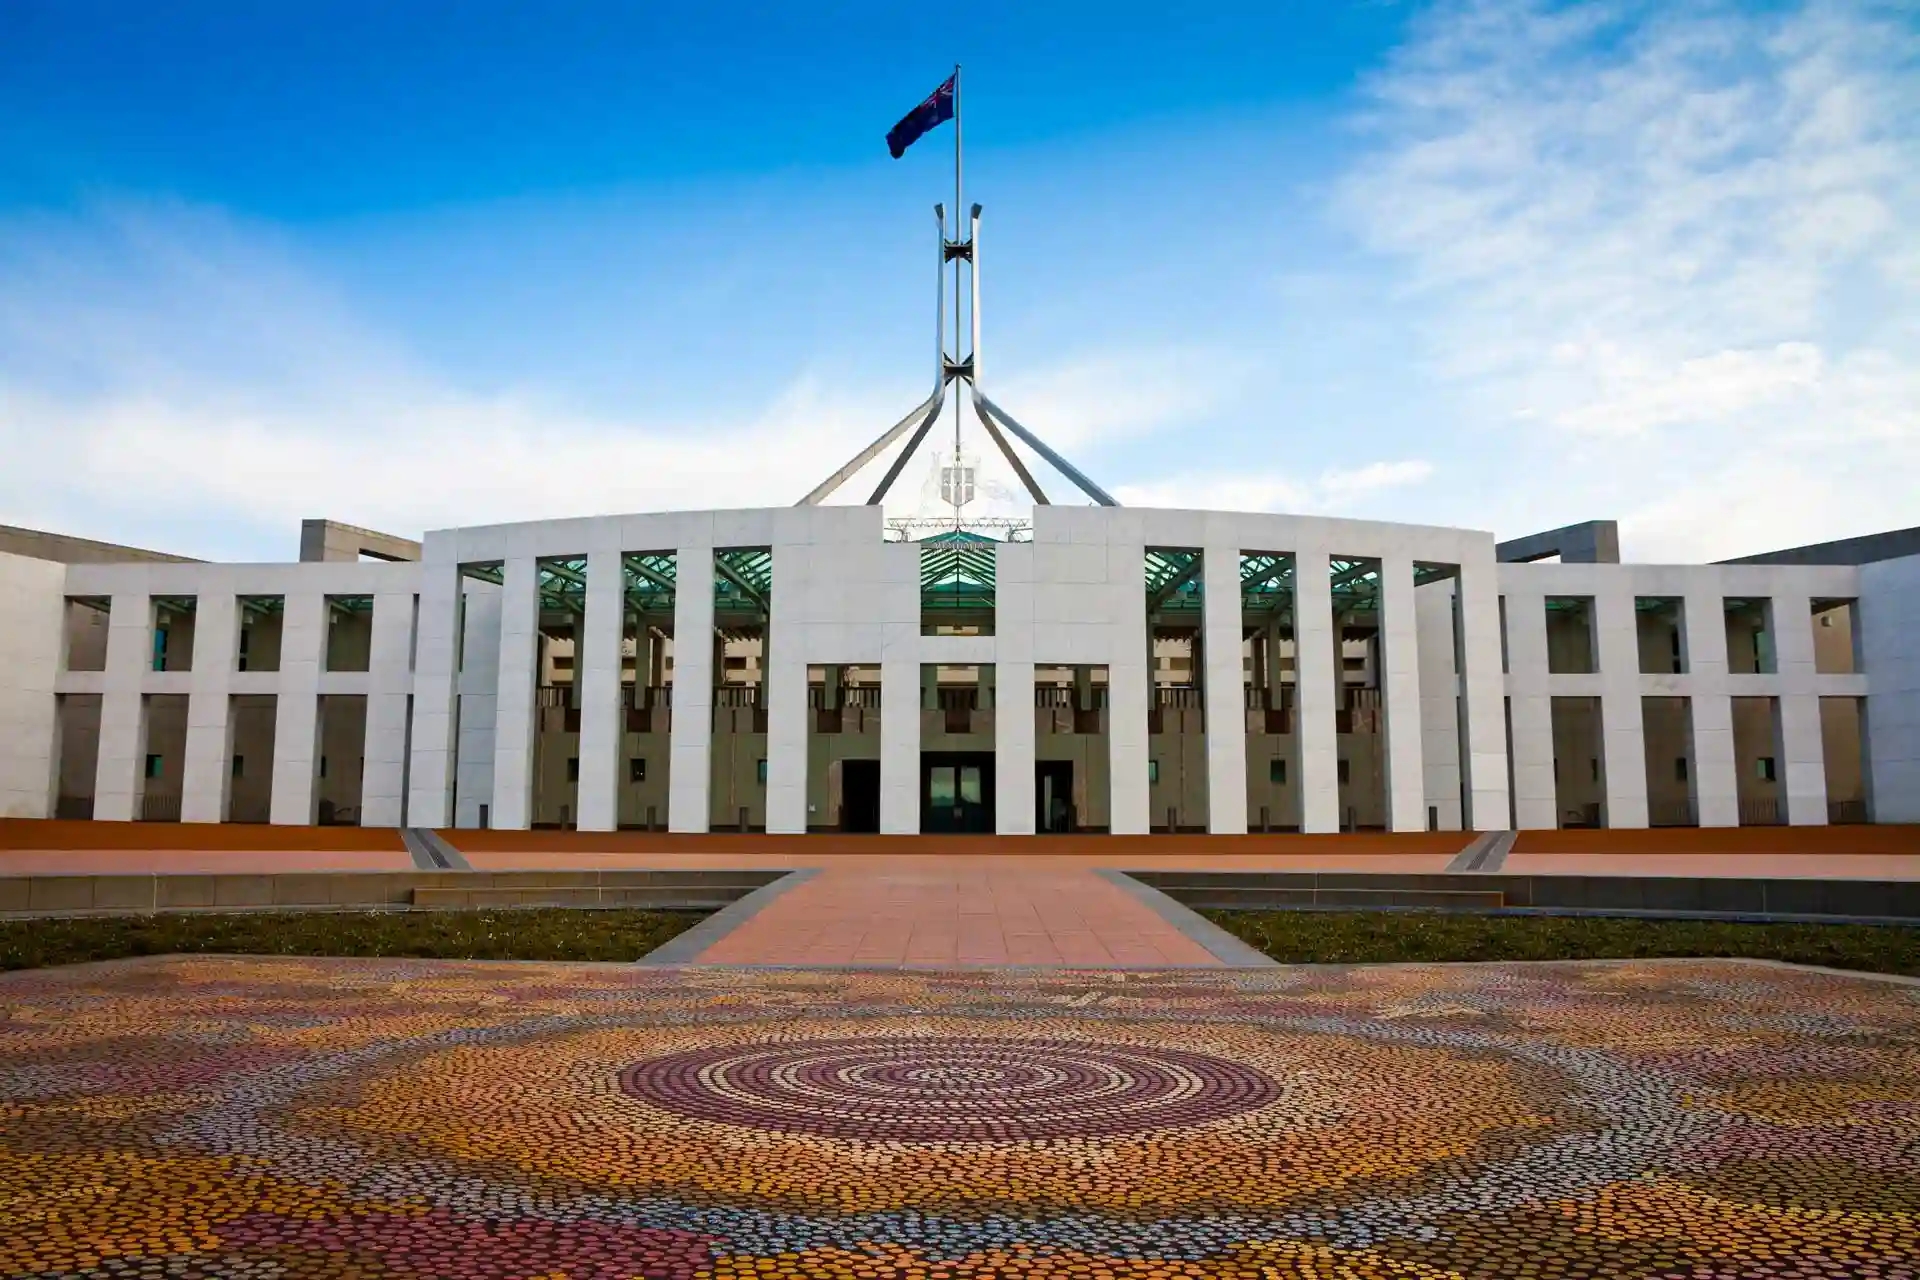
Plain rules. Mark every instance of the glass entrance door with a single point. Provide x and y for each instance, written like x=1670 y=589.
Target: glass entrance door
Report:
x=956 y=791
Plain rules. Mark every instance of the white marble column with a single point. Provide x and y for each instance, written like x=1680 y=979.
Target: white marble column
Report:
x=1226 y=699
x=597 y=673
x=296 y=714
x=389 y=679
x=1129 y=691
x=1484 y=701
x=1803 y=760
x=436 y=664
x=1803 y=756
x=1439 y=702
x=785 y=676
x=516 y=718
x=1316 y=670
x=118 y=772
x=1013 y=749
x=476 y=687
x=1013 y=727
x=1623 y=738
x=1400 y=696
x=1716 y=787
x=207 y=773
x=1536 y=804
x=690 y=779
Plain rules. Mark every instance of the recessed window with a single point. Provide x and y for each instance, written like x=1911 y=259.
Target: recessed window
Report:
x=1680 y=769
x=239 y=765
x=1345 y=771
x=323 y=766
x=637 y=769
x=1593 y=766
x=1153 y=772
x=153 y=766
x=1276 y=770
x=573 y=769
x=1763 y=768
x=760 y=772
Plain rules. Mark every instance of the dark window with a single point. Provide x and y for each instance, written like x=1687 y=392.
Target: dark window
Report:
x=1764 y=767
x=153 y=766
x=1680 y=768
x=637 y=769
x=1593 y=763
x=323 y=766
x=1153 y=771
x=238 y=765
x=1276 y=770
x=760 y=772
x=1344 y=771
x=573 y=769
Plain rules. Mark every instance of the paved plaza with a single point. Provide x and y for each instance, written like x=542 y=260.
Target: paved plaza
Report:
x=287 y=1118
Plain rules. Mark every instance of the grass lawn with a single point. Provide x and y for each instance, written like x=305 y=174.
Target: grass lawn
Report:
x=1371 y=937
x=535 y=934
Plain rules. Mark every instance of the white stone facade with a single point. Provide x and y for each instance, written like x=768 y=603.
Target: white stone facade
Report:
x=1467 y=699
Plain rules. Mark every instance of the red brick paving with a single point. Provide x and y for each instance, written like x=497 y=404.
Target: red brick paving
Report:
x=936 y=911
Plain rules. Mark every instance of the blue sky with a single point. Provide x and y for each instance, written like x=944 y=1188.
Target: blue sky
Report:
x=1494 y=263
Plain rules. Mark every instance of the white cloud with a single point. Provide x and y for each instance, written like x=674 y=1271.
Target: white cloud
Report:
x=171 y=377
x=1345 y=490
x=1673 y=250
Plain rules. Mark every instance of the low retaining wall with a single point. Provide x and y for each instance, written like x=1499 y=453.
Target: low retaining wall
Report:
x=68 y=895
x=1893 y=901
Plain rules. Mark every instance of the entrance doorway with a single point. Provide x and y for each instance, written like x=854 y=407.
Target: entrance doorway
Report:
x=956 y=791
x=860 y=795
x=1053 y=797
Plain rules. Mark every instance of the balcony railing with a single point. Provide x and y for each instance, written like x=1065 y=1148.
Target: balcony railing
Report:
x=1760 y=813
x=1846 y=813
x=159 y=808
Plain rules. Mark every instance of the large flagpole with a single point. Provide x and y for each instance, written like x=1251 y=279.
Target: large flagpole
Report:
x=959 y=213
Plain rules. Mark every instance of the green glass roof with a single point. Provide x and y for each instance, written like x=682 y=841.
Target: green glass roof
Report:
x=957 y=571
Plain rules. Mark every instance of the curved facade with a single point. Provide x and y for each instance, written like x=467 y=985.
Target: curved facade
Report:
x=1117 y=669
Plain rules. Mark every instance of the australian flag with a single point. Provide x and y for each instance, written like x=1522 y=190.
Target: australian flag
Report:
x=936 y=110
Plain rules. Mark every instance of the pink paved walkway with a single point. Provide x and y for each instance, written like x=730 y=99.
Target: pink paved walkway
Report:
x=935 y=911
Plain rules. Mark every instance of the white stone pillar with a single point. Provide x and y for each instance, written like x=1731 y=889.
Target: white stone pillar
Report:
x=784 y=681
x=473 y=715
x=1623 y=737
x=1803 y=760
x=900 y=699
x=1439 y=702
x=1400 y=696
x=296 y=715
x=690 y=779
x=1316 y=661
x=32 y=649
x=206 y=775
x=597 y=673
x=1013 y=749
x=1226 y=701
x=1716 y=787
x=1536 y=804
x=1803 y=756
x=389 y=678
x=516 y=718
x=118 y=772
x=436 y=664
x=1484 y=703
x=1129 y=691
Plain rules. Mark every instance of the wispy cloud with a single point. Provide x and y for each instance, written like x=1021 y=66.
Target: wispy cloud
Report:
x=1673 y=250
x=1346 y=491
x=169 y=373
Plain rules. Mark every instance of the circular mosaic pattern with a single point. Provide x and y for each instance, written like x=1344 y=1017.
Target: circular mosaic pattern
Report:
x=949 y=1088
